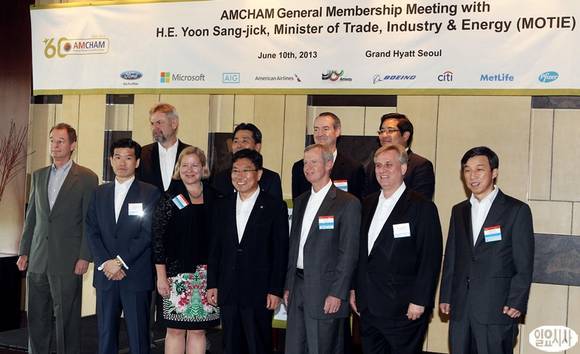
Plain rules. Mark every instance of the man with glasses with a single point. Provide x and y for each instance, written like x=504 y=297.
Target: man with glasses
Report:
x=248 y=136
x=248 y=258
x=396 y=128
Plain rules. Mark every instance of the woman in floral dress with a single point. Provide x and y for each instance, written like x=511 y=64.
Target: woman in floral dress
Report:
x=181 y=247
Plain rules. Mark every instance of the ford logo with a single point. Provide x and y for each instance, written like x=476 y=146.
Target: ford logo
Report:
x=131 y=75
x=548 y=76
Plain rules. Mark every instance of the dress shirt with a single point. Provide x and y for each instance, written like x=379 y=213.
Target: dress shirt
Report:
x=243 y=211
x=334 y=154
x=167 y=159
x=121 y=190
x=55 y=181
x=384 y=208
x=314 y=203
x=479 y=210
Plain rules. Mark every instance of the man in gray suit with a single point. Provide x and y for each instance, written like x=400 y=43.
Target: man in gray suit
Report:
x=54 y=248
x=324 y=242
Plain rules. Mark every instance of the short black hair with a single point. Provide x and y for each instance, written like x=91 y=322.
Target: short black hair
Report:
x=481 y=151
x=126 y=143
x=256 y=133
x=252 y=155
x=403 y=123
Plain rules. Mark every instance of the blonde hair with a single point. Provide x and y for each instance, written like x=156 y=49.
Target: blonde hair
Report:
x=166 y=108
x=191 y=150
x=403 y=157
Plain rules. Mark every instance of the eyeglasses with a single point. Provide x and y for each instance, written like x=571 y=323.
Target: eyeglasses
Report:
x=388 y=131
x=244 y=172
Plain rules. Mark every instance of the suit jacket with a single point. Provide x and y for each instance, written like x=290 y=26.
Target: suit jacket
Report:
x=149 y=170
x=344 y=168
x=129 y=237
x=55 y=239
x=401 y=270
x=420 y=176
x=269 y=183
x=245 y=272
x=494 y=274
x=329 y=254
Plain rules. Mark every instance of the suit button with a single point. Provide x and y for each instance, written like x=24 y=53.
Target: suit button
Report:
x=473 y=259
x=115 y=237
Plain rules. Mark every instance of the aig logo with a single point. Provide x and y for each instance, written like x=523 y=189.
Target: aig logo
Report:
x=553 y=339
x=447 y=76
x=231 y=78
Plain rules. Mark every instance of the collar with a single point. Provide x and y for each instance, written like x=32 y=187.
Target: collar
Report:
x=169 y=149
x=251 y=199
x=322 y=191
x=65 y=167
x=488 y=198
x=395 y=196
x=124 y=185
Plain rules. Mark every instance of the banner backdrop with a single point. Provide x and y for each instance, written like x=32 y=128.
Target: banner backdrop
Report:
x=289 y=45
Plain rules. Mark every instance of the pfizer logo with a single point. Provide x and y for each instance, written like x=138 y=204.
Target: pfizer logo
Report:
x=553 y=339
x=548 y=76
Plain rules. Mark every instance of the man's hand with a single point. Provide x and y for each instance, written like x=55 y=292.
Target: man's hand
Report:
x=110 y=268
x=272 y=302
x=81 y=267
x=415 y=311
x=352 y=301
x=163 y=286
x=286 y=296
x=331 y=304
x=22 y=263
x=119 y=275
x=212 y=296
x=445 y=308
x=511 y=312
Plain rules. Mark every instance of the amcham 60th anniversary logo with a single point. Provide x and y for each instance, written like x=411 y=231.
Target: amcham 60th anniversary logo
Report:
x=61 y=47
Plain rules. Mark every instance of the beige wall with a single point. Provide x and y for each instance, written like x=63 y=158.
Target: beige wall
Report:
x=537 y=149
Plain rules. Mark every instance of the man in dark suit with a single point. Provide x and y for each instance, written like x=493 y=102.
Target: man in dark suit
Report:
x=54 y=246
x=396 y=128
x=489 y=261
x=323 y=251
x=158 y=159
x=347 y=174
x=248 y=136
x=399 y=261
x=119 y=232
x=248 y=258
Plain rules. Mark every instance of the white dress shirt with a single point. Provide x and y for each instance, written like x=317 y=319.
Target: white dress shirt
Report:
x=384 y=209
x=243 y=211
x=314 y=203
x=121 y=190
x=479 y=211
x=167 y=163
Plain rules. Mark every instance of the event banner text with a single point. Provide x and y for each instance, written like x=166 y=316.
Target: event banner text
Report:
x=299 y=45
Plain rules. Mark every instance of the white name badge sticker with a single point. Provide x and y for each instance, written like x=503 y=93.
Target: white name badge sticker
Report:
x=402 y=230
x=135 y=209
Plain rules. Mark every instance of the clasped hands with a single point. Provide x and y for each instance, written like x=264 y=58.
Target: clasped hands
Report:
x=113 y=270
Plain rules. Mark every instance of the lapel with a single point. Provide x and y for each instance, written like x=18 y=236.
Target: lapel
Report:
x=337 y=168
x=156 y=164
x=493 y=216
x=69 y=181
x=43 y=183
x=367 y=223
x=324 y=210
x=467 y=224
x=298 y=215
x=132 y=196
x=255 y=215
x=387 y=229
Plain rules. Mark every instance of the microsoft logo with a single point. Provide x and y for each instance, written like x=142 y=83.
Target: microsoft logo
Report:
x=165 y=77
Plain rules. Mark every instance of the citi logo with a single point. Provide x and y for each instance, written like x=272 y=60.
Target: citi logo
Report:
x=548 y=76
x=447 y=76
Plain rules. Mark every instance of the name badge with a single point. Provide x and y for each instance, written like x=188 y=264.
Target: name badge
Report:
x=401 y=230
x=135 y=209
x=492 y=233
x=326 y=222
x=341 y=184
x=180 y=201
